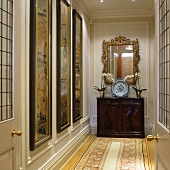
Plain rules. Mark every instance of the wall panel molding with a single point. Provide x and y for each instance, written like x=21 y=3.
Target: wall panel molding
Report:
x=60 y=158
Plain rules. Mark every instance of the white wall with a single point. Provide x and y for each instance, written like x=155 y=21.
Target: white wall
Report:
x=53 y=153
x=103 y=30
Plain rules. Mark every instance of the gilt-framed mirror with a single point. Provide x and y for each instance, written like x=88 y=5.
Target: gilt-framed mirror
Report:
x=121 y=58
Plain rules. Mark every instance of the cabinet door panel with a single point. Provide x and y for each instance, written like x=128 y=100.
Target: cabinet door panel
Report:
x=108 y=119
x=131 y=119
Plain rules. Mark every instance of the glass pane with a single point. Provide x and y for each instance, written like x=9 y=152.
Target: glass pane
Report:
x=4 y=47
x=4 y=115
x=3 y=58
x=10 y=6
x=9 y=87
x=4 y=31
x=6 y=17
x=9 y=112
x=167 y=37
x=4 y=5
x=3 y=99
x=160 y=41
x=10 y=46
x=9 y=32
x=168 y=87
x=164 y=64
x=9 y=59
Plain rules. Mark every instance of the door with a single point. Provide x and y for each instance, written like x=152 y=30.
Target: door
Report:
x=163 y=117
x=162 y=125
x=162 y=149
x=10 y=84
x=159 y=150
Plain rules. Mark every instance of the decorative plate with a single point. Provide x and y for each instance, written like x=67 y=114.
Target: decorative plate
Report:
x=120 y=88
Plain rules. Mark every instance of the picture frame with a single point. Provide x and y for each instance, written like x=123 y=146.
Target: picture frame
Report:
x=63 y=65
x=77 y=87
x=40 y=73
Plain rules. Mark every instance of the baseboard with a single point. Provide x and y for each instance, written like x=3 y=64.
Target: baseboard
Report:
x=73 y=161
x=148 y=130
x=60 y=159
x=93 y=128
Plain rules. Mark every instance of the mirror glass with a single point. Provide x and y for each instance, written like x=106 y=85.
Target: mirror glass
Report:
x=120 y=57
x=120 y=60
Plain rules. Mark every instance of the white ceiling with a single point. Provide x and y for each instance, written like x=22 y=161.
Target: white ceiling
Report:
x=117 y=8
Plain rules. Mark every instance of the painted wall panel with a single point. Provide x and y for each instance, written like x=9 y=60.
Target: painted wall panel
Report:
x=132 y=30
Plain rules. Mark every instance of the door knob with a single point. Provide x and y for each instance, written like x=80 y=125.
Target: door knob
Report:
x=151 y=137
x=16 y=132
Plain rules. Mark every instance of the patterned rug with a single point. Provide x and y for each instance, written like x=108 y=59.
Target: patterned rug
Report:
x=113 y=154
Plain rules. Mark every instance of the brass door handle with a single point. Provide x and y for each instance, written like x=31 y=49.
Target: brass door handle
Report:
x=151 y=137
x=16 y=132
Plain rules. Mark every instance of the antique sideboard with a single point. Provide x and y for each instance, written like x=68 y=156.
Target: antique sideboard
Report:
x=120 y=117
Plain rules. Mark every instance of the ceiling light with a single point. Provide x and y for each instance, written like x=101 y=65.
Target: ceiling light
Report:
x=101 y=0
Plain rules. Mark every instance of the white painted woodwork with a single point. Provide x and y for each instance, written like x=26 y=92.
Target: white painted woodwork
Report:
x=7 y=159
x=162 y=149
x=10 y=146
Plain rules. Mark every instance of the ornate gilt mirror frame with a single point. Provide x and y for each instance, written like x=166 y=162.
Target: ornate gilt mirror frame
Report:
x=121 y=41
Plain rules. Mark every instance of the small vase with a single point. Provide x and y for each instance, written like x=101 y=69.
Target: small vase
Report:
x=101 y=94
x=138 y=93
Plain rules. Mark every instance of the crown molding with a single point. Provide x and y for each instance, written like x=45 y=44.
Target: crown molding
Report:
x=120 y=13
x=93 y=12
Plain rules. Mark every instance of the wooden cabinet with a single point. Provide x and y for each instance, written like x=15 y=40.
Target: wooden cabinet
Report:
x=120 y=117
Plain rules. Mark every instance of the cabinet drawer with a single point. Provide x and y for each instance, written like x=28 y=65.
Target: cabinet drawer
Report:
x=107 y=102
x=131 y=101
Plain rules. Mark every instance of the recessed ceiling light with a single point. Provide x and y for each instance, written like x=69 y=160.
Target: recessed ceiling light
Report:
x=101 y=0
x=133 y=0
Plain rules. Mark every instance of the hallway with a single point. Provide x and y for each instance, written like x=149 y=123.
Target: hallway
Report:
x=57 y=56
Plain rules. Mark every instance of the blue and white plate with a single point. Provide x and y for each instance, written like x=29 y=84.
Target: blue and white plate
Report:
x=120 y=88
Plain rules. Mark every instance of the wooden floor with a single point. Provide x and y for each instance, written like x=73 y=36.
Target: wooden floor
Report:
x=71 y=164
x=148 y=150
